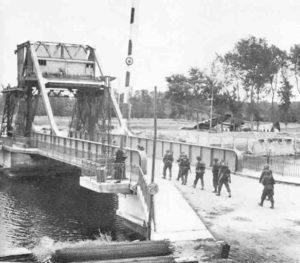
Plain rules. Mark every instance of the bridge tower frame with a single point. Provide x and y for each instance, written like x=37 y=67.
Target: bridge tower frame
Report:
x=46 y=68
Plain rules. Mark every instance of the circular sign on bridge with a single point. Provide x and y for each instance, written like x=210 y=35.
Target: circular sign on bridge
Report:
x=129 y=61
x=153 y=188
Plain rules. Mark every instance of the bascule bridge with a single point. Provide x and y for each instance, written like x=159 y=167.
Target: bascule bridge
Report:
x=47 y=70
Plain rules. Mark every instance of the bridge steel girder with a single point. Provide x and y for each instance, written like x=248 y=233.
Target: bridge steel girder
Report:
x=42 y=85
x=48 y=65
x=10 y=104
x=121 y=120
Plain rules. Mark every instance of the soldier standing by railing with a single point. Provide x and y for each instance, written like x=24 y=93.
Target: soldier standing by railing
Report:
x=120 y=164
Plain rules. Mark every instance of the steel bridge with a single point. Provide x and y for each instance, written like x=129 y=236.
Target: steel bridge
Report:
x=47 y=69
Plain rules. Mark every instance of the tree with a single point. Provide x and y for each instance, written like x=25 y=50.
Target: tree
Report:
x=179 y=93
x=251 y=59
x=295 y=61
x=232 y=82
x=190 y=94
x=278 y=61
x=142 y=104
x=285 y=94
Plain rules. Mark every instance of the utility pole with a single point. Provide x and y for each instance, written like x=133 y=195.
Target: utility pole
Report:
x=151 y=205
x=211 y=107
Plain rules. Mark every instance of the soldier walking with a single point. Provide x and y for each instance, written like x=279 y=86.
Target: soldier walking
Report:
x=268 y=182
x=215 y=173
x=168 y=161
x=185 y=168
x=179 y=167
x=200 y=170
x=266 y=171
x=224 y=178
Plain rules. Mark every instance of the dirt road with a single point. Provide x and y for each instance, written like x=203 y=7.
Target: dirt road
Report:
x=256 y=234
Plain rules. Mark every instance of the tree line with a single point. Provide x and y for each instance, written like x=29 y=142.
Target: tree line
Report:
x=238 y=82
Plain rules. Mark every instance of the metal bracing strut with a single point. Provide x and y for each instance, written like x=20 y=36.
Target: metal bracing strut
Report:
x=42 y=85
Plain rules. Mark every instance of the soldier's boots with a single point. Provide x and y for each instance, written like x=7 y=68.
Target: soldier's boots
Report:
x=272 y=205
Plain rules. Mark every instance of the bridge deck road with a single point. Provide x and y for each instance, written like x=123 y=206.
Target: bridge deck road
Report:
x=175 y=218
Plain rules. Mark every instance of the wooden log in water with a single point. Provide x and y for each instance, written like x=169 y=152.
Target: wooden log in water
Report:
x=27 y=257
x=114 y=251
x=163 y=259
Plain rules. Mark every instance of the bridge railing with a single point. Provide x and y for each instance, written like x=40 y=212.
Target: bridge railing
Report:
x=108 y=171
x=73 y=150
x=207 y=153
x=7 y=141
x=11 y=140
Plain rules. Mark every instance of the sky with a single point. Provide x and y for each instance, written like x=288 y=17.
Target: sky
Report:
x=169 y=37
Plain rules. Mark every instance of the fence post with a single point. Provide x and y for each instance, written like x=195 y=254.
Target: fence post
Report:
x=65 y=142
x=89 y=150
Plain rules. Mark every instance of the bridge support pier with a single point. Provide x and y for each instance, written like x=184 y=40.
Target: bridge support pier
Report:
x=131 y=210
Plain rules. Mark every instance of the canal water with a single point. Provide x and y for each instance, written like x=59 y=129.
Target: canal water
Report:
x=57 y=209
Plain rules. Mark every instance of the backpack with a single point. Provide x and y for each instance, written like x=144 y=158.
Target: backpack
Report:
x=185 y=162
x=200 y=167
x=169 y=158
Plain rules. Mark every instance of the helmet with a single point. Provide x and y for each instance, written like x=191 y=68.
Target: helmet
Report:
x=266 y=167
x=198 y=158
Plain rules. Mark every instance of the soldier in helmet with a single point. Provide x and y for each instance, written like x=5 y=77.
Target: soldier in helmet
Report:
x=182 y=154
x=185 y=168
x=224 y=178
x=266 y=171
x=200 y=170
x=120 y=164
x=168 y=161
x=268 y=182
x=215 y=173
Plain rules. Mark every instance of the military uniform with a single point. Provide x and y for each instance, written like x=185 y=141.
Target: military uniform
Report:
x=179 y=167
x=168 y=161
x=200 y=170
x=224 y=178
x=184 y=167
x=268 y=191
x=215 y=173
x=120 y=172
x=266 y=171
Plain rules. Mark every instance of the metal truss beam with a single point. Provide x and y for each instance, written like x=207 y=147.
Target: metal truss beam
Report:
x=115 y=104
x=42 y=85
